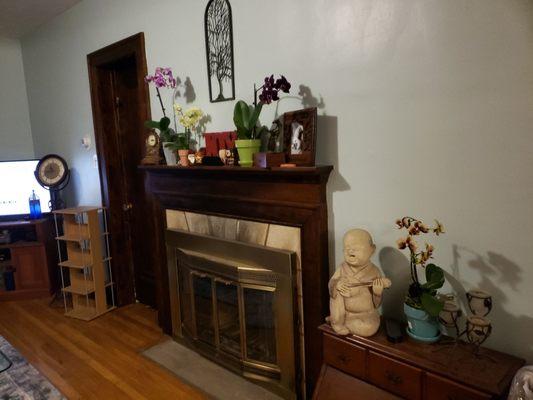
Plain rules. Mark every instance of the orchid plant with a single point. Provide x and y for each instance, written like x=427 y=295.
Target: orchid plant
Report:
x=162 y=78
x=246 y=117
x=422 y=295
x=189 y=119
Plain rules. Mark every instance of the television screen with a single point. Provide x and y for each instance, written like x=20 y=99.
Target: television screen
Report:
x=17 y=180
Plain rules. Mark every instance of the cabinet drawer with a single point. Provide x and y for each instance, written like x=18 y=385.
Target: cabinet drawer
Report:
x=439 y=388
x=395 y=376
x=345 y=356
x=336 y=385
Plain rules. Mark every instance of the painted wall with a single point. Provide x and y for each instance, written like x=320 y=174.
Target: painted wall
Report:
x=15 y=131
x=425 y=109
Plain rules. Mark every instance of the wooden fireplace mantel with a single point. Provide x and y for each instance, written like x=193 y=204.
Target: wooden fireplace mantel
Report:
x=285 y=196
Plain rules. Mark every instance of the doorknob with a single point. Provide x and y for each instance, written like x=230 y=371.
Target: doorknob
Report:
x=127 y=206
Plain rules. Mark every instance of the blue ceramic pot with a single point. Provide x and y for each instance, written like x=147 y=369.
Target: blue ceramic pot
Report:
x=420 y=325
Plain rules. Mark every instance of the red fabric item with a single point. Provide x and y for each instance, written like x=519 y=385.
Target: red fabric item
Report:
x=215 y=141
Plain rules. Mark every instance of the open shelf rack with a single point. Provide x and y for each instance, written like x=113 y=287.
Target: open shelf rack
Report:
x=84 y=262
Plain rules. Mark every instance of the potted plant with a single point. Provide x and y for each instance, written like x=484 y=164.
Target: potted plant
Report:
x=246 y=118
x=182 y=141
x=163 y=78
x=422 y=306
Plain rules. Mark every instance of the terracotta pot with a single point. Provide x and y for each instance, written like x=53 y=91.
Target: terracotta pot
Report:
x=183 y=154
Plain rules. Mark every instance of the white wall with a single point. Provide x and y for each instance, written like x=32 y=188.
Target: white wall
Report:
x=428 y=109
x=15 y=132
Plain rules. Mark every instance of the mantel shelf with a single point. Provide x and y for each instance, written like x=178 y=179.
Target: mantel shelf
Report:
x=242 y=173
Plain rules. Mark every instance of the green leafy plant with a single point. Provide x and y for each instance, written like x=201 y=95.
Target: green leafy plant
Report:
x=165 y=133
x=179 y=141
x=422 y=296
x=246 y=117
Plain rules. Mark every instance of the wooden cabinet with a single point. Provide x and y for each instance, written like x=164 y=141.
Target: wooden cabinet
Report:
x=363 y=368
x=30 y=257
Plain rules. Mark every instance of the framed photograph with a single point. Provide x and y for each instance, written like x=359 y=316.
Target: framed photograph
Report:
x=299 y=136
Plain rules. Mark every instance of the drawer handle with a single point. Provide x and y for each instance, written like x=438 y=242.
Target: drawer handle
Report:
x=343 y=358
x=393 y=378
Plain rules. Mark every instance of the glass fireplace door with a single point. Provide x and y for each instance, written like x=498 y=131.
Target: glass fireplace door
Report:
x=236 y=318
x=259 y=324
x=228 y=316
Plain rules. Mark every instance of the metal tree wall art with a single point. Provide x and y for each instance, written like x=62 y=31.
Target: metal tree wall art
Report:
x=219 y=50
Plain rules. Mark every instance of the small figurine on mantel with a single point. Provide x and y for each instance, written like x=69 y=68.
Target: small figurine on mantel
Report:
x=356 y=288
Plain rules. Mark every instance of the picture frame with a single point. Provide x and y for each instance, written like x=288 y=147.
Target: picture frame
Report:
x=299 y=136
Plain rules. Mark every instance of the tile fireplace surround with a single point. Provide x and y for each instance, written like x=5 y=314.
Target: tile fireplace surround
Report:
x=244 y=278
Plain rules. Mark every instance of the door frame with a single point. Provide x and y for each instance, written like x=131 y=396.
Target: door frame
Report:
x=132 y=46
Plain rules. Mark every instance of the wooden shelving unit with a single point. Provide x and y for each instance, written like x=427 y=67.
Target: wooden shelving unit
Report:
x=86 y=277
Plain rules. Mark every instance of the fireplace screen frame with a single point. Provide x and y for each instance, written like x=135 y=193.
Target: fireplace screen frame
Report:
x=247 y=266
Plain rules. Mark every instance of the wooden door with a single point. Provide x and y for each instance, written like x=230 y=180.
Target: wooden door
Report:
x=120 y=107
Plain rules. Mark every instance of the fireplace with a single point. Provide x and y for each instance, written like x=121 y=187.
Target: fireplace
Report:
x=281 y=212
x=235 y=303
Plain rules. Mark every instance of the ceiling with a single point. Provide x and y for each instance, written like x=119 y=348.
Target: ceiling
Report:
x=19 y=17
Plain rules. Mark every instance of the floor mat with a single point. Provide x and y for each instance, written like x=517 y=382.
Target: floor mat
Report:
x=205 y=375
x=21 y=381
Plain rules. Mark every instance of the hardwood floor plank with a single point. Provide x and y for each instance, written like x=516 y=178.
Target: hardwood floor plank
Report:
x=92 y=360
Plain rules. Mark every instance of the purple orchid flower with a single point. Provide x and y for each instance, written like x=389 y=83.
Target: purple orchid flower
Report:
x=270 y=89
x=162 y=78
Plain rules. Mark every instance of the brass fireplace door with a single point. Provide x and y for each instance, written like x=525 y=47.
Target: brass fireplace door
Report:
x=234 y=303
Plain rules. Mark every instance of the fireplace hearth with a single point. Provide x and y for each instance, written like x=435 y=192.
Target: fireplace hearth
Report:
x=235 y=303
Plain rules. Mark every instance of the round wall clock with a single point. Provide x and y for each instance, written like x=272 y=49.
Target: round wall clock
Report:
x=51 y=171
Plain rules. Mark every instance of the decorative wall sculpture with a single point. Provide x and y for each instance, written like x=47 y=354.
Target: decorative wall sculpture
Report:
x=219 y=50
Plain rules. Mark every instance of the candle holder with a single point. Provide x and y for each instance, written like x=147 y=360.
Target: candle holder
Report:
x=478 y=327
x=479 y=302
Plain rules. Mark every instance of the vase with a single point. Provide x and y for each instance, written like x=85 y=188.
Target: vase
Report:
x=184 y=160
x=420 y=325
x=246 y=149
x=170 y=155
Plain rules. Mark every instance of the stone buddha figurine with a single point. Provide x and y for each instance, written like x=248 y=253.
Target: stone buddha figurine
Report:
x=356 y=288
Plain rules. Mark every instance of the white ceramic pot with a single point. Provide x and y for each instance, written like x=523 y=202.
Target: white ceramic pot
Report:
x=170 y=155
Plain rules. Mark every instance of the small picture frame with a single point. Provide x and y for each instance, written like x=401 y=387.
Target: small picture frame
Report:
x=299 y=136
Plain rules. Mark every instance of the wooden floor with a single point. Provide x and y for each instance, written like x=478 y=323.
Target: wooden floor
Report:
x=92 y=360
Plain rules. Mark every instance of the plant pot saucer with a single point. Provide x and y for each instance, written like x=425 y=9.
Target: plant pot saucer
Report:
x=423 y=339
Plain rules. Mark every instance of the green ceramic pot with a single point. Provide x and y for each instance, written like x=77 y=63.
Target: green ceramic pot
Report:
x=247 y=148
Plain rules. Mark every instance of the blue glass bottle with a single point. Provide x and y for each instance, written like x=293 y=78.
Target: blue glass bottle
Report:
x=35 y=206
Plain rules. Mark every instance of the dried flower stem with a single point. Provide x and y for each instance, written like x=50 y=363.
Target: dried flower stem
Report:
x=160 y=101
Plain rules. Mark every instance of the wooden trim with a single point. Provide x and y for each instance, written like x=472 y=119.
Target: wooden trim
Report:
x=133 y=46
